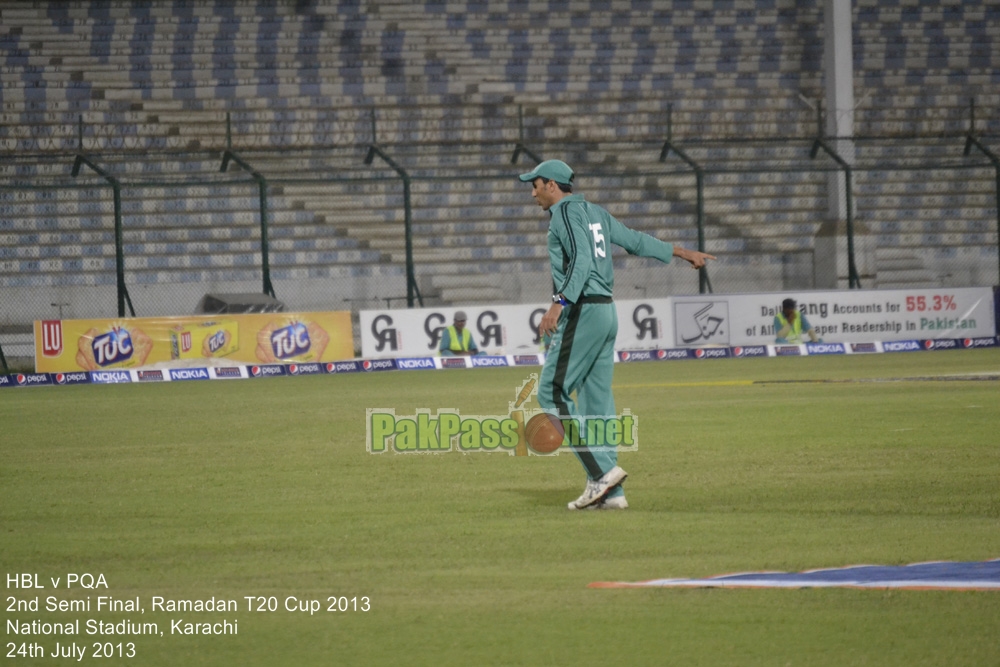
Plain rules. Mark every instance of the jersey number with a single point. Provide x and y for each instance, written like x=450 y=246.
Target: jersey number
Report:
x=598 y=240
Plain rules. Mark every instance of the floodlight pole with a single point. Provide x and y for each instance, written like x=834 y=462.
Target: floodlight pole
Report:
x=704 y=284
x=853 y=280
x=970 y=141
x=123 y=295
x=265 y=262
x=520 y=147
x=412 y=291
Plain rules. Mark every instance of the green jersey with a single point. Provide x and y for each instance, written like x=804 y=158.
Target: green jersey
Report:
x=580 y=234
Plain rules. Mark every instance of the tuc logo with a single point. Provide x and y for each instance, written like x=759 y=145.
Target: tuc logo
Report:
x=112 y=347
x=290 y=341
x=217 y=341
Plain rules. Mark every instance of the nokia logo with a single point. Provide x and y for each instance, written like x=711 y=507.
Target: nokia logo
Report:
x=479 y=362
x=415 y=363
x=189 y=374
x=110 y=377
x=901 y=346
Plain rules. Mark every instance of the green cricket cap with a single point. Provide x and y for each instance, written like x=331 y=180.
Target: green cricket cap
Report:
x=554 y=170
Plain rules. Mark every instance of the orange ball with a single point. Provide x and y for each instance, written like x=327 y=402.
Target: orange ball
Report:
x=544 y=433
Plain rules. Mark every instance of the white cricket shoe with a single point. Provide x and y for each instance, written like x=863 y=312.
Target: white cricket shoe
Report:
x=598 y=488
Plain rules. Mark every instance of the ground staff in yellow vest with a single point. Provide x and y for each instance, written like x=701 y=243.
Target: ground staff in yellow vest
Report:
x=456 y=339
x=790 y=323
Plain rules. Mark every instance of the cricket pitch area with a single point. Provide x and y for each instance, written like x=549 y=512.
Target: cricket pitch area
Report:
x=182 y=498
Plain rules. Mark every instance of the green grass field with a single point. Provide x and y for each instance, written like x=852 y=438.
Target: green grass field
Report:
x=264 y=488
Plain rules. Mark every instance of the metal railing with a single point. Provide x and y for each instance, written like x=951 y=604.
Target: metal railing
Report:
x=741 y=190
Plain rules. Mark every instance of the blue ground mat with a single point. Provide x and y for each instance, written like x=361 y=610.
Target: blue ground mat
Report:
x=944 y=575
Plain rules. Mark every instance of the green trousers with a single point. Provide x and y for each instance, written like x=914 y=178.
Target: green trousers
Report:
x=581 y=359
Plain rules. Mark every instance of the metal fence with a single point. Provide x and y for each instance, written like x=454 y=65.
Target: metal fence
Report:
x=116 y=235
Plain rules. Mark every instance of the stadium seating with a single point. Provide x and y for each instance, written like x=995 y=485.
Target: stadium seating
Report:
x=146 y=87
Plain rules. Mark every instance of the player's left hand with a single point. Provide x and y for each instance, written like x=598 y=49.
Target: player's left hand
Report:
x=550 y=320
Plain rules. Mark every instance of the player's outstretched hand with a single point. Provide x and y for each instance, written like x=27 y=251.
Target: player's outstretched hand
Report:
x=696 y=259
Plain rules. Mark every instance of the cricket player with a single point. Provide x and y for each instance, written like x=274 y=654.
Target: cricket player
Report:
x=582 y=319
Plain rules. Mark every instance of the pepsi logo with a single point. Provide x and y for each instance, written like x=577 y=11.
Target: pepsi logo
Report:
x=699 y=354
x=928 y=344
x=661 y=354
x=293 y=369
x=336 y=367
x=255 y=371
x=22 y=380
x=625 y=356
x=70 y=378
x=367 y=365
x=737 y=351
x=979 y=342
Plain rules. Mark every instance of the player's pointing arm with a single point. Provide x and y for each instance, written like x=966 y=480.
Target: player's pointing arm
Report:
x=644 y=245
x=696 y=259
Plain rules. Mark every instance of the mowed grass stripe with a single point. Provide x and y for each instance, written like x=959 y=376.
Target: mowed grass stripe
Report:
x=264 y=487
